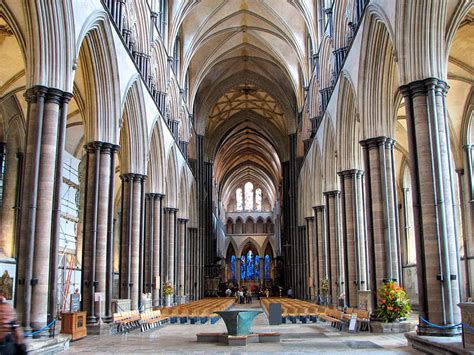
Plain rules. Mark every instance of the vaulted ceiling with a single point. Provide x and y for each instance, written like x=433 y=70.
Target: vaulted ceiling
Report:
x=247 y=65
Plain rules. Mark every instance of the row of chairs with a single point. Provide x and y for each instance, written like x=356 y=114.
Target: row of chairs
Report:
x=126 y=321
x=294 y=309
x=197 y=312
x=151 y=320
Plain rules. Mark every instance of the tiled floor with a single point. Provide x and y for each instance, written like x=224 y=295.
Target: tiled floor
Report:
x=295 y=338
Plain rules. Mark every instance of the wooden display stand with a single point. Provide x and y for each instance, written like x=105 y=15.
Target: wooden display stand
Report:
x=74 y=324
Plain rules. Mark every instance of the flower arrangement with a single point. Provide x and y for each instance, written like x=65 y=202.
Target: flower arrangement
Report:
x=393 y=302
x=324 y=288
x=168 y=290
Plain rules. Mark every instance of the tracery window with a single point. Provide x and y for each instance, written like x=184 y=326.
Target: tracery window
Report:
x=248 y=196
x=233 y=263
x=257 y=267
x=243 y=267
x=250 y=265
x=239 y=199
x=267 y=267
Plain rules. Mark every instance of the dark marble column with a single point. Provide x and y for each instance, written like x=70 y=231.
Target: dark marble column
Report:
x=321 y=254
x=131 y=236
x=311 y=260
x=181 y=262
x=335 y=250
x=47 y=109
x=437 y=251
x=97 y=225
x=170 y=221
x=382 y=218
x=353 y=233
x=153 y=246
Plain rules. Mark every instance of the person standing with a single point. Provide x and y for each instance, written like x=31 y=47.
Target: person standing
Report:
x=290 y=293
x=11 y=338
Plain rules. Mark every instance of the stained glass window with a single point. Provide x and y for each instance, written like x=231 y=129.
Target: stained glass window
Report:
x=239 y=199
x=233 y=262
x=257 y=267
x=243 y=267
x=250 y=265
x=258 y=199
x=267 y=267
x=248 y=196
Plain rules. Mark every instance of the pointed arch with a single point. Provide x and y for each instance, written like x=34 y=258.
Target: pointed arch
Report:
x=326 y=57
x=133 y=137
x=348 y=128
x=156 y=159
x=183 y=195
x=330 y=181
x=97 y=62
x=171 y=198
x=378 y=79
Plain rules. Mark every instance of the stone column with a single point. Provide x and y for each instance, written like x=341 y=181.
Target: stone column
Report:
x=45 y=107
x=381 y=206
x=353 y=234
x=334 y=248
x=437 y=251
x=321 y=255
x=170 y=242
x=466 y=183
x=156 y=237
x=181 y=262
x=311 y=260
x=96 y=224
x=35 y=98
x=149 y=248
x=131 y=237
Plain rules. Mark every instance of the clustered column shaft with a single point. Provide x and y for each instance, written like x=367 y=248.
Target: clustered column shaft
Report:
x=47 y=110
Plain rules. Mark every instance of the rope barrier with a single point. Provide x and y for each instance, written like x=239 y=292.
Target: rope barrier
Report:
x=441 y=326
x=53 y=322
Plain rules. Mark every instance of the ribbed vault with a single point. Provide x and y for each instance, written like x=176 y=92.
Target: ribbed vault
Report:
x=246 y=65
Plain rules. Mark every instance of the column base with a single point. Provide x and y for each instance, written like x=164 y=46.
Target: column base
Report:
x=91 y=320
x=431 y=331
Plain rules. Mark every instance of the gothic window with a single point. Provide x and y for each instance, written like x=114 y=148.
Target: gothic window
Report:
x=248 y=196
x=267 y=267
x=239 y=199
x=233 y=263
x=250 y=265
x=258 y=199
x=243 y=267
x=257 y=267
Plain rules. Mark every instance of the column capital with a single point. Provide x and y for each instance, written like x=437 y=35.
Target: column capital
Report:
x=93 y=146
x=170 y=210
x=350 y=173
x=333 y=193
x=54 y=95
x=319 y=208
x=110 y=147
x=131 y=177
x=377 y=141
x=421 y=87
x=151 y=195
x=309 y=219
x=183 y=220
x=32 y=94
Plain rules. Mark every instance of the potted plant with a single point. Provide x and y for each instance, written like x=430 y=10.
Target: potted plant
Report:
x=168 y=292
x=392 y=309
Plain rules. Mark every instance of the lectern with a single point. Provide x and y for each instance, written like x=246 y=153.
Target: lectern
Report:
x=74 y=323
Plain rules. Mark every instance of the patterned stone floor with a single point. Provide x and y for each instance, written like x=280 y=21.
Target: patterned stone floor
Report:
x=296 y=338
